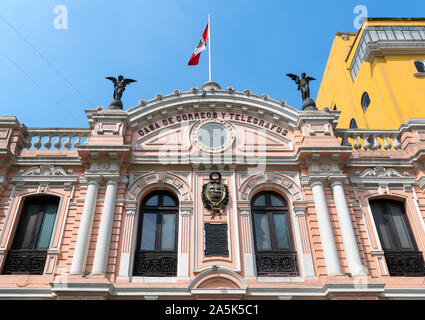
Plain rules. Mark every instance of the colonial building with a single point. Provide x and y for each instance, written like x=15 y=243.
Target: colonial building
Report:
x=212 y=193
x=376 y=76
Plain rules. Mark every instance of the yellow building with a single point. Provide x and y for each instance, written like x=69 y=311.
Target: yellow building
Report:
x=376 y=77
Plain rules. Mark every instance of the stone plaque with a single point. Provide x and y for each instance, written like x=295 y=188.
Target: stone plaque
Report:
x=216 y=239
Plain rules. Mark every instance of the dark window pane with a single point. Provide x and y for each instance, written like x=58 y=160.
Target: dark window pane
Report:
x=262 y=234
x=47 y=226
x=260 y=201
x=152 y=201
x=420 y=66
x=281 y=231
x=275 y=201
x=168 y=232
x=392 y=226
x=365 y=101
x=400 y=227
x=148 y=231
x=27 y=225
x=381 y=225
x=353 y=124
x=167 y=201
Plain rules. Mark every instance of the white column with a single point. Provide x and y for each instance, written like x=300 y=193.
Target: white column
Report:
x=83 y=238
x=348 y=238
x=325 y=228
x=104 y=238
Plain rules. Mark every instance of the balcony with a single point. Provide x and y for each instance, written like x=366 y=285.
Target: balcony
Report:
x=25 y=262
x=405 y=264
x=277 y=264
x=153 y=263
x=378 y=40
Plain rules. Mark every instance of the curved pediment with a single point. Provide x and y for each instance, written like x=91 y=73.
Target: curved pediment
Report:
x=212 y=132
x=195 y=100
x=178 y=123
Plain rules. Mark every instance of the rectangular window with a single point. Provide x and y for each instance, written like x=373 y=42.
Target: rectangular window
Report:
x=400 y=250
x=32 y=237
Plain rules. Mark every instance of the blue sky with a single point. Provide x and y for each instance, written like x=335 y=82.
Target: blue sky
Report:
x=50 y=76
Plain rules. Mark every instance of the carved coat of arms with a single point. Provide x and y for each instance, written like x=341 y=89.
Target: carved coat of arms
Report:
x=215 y=195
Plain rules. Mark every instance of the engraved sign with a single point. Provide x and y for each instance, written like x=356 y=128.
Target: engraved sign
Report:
x=216 y=239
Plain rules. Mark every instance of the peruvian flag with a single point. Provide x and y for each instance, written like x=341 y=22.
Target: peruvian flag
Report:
x=202 y=45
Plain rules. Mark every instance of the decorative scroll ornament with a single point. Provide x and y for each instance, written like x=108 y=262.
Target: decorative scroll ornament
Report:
x=215 y=195
x=46 y=171
x=381 y=172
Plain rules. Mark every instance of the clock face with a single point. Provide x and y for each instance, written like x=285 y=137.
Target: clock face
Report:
x=212 y=135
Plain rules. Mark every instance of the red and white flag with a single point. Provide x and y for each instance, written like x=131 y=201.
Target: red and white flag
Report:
x=202 y=45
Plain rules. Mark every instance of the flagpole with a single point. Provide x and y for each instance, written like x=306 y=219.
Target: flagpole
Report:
x=209 y=46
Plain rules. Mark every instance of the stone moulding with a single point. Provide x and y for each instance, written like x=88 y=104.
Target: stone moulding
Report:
x=288 y=115
x=382 y=177
x=49 y=174
x=46 y=171
x=382 y=172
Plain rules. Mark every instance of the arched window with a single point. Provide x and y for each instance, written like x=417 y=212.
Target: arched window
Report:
x=420 y=66
x=274 y=246
x=32 y=237
x=156 y=250
x=365 y=101
x=353 y=124
x=401 y=252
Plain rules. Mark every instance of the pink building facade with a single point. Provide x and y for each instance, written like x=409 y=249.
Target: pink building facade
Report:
x=119 y=210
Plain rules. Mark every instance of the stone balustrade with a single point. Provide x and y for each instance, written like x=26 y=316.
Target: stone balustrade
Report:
x=55 y=139
x=373 y=140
